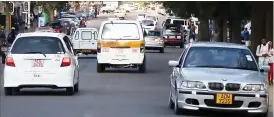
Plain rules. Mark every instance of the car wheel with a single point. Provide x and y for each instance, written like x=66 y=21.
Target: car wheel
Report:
x=262 y=115
x=76 y=87
x=69 y=90
x=142 y=68
x=181 y=46
x=8 y=91
x=162 y=50
x=100 y=68
x=3 y=59
x=170 y=102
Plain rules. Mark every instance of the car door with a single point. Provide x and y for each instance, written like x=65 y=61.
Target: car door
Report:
x=88 y=39
x=76 y=40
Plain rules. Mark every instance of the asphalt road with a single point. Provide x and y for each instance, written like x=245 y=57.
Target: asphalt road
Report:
x=123 y=93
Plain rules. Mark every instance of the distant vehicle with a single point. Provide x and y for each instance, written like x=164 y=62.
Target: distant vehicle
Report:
x=41 y=60
x=148 y=25
x=140 y=17
x=121 y=45
x=120 y=14
x=85 y=40
x=57 y=26
x=218 y=76
x=154 y=18
x=154 y=40
x=172 y=36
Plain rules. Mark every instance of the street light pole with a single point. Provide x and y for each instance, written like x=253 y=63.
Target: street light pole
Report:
x=29 y=14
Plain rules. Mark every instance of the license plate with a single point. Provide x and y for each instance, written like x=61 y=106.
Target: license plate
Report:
x=86 y=50
x=224 y=99
x=4 y=49
x=120 y=51
x=37 y=63
x=172 y=37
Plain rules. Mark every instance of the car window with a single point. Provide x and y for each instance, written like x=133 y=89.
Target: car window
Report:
x=68 y=44
x=147 y=23
x=45 y=45
x=87 y=35
x=218 y=57
x=120 y=31
x=154 y=33
x=168 y=21
x=183 y=56
x=178 y=22
x=76 y=37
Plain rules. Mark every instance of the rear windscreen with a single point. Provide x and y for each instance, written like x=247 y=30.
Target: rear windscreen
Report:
x=45 y=45
x=178 y=22
x=123 y=31
x=87 y=35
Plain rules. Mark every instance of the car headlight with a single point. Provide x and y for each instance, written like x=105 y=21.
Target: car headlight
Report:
x=193 y=85
x=254 y=87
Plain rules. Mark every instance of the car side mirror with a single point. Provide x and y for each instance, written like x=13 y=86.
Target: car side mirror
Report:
x=173 y=63
x=264 y=69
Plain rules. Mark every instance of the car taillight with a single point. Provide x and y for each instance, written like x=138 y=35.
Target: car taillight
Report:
x=66 y=62
x=10 y=62
x=142 y=48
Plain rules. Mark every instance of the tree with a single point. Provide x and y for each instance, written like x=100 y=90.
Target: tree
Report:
x=50 y=6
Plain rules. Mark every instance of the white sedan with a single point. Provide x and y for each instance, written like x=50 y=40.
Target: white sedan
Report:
x=148 y=25
x=41 y=60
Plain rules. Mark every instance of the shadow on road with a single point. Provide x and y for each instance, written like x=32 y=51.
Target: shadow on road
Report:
x=48 y=92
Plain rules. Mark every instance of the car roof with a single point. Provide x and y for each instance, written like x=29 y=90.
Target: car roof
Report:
x=217 y=44
x=121 y=21
x=41 y=34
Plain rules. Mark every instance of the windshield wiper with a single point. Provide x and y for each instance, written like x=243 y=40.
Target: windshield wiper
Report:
x=36 y=53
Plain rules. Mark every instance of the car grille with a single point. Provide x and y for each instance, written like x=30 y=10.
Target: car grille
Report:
x=212 y=103
x=220 y=86
x=232 y=87
x=215 y=86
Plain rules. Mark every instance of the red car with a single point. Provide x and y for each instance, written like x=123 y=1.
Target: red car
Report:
x=173 y=40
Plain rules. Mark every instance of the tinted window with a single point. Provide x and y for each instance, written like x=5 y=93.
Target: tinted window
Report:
x=218 y=57
x=45 y=45
x=68 y=43
x=148 y=23
x=120 y=31
x=154 y=33
x=87 y=35
x=179 y=22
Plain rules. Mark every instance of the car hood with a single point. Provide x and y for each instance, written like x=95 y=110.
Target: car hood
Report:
x=219 y=74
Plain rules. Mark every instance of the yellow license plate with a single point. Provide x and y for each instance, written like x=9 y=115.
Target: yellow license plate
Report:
x=86 y=50
x=224 y=99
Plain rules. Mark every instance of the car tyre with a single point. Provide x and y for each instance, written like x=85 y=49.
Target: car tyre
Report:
x=181 y=46
x=8 y=91
x=162 y=50
x=262 y=115
x=70 y=90
x=3 y=59
x=100 y=68
x=76 y=87
x=142 y=68
x=177 y=109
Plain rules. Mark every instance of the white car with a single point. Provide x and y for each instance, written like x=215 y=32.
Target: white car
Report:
x=150 y=17
x=154 y=41
x=148 y=25
x=41 y=60
x=120 y=14
x=140 y=17
x=85 y=40
x=121 y=45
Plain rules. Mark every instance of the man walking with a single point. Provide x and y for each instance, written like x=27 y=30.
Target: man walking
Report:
x=262 y=53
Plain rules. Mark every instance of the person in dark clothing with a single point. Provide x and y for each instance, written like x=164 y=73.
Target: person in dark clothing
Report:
x=12 y=35
x=2 y=44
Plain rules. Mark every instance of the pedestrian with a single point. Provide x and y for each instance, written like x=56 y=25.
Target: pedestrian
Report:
x=262 y=53
x=2 y=43
x=271 y=63
x=246 y=37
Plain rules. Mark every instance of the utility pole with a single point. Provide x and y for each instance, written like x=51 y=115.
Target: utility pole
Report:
x=29 y=14
x=9 y=11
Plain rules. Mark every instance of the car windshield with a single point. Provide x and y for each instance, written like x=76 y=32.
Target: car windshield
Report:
x=120 y=31
x=87 y=35
x=220 y=57
x=178 y=22
x=154 y=33
x=142 y=15
x=147 y=23
x=45 y=45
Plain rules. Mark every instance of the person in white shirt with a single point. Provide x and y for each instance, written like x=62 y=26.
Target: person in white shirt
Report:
x=262 y=53
x=271 y=62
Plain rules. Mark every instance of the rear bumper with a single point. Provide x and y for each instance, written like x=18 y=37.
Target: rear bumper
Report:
x=61 y=78
x=107 y=59
x=154 y=46
x=173 y=42
x=87 y=51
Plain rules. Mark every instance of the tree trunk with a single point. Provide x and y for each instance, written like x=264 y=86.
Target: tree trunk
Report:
x=257 y=28
x=236 y=31
x=51 y=14
x=203 y=30
x=225 y=26
x=269 y=25
x=219 y=26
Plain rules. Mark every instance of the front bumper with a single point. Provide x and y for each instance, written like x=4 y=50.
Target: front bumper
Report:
x=154 y=45
x=195 y=100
